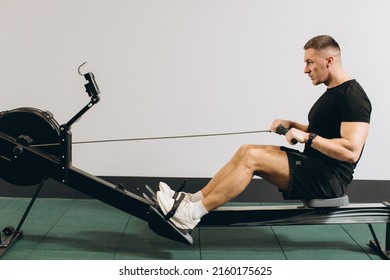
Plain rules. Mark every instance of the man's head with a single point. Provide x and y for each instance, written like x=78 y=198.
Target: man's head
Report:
x=322 y=59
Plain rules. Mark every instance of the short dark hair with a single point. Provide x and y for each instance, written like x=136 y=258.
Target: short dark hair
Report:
x=321 y=42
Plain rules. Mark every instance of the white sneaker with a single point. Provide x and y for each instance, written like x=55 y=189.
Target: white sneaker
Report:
x=180 y=217
x=171 y=193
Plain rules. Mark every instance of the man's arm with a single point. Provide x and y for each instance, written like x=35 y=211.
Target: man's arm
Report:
x=346 y=148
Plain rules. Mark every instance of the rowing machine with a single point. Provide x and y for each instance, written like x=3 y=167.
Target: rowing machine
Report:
x=34 y=147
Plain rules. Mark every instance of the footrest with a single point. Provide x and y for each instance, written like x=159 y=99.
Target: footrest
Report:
x=327 y=203
x=161 y=225
x=165 y=228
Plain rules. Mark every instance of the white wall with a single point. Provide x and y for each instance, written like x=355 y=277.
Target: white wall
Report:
x=179 y=67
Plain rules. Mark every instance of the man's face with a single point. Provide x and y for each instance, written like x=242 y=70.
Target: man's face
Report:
x=316 y=66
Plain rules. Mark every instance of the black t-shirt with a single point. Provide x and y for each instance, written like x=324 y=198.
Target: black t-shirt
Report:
x=344 y=103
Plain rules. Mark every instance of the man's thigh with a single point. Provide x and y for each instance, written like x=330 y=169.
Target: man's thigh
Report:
x=271 y=163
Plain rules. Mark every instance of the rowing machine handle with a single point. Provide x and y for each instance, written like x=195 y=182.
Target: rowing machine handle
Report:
x=281 y=130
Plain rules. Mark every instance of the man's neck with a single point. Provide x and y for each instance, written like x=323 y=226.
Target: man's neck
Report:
x=337 y=79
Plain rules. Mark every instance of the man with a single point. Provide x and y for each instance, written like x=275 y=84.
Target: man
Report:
x=334 y=139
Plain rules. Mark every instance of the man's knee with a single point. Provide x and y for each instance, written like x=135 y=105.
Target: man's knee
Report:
x=268 y=162
x=245 y=151
x=252 y=155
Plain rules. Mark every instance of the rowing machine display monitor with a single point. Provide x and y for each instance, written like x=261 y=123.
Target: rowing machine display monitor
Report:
x=91 y=87
x=93 y=91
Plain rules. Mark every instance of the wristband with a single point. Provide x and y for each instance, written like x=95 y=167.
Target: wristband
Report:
x=311 y=138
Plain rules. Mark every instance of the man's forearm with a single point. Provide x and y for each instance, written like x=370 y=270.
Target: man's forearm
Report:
x=299 y=126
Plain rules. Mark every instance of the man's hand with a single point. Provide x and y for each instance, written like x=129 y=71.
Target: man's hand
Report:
x=295 y=130
x=277 y=122
x=298 y=135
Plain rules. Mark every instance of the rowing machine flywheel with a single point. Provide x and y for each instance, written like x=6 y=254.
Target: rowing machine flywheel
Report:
x=33 y=127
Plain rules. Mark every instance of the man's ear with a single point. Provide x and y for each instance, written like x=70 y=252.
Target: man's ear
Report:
x=329 y=61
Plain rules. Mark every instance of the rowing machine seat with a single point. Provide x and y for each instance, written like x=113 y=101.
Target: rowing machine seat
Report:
x=327 y=203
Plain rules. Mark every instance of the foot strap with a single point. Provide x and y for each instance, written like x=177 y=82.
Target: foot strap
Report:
x=175 y=206
x=175 y=195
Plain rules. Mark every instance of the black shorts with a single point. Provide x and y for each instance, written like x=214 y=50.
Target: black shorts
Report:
x=311 y=178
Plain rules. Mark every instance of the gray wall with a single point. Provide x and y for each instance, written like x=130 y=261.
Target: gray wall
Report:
x=180 y=67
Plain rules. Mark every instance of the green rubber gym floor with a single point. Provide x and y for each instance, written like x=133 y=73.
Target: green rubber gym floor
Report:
x=87 y=229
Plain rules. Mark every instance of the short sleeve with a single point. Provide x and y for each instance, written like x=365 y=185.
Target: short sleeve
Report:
x=356 y=106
